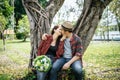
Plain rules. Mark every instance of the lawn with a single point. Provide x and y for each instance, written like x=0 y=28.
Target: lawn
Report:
x=101 y=60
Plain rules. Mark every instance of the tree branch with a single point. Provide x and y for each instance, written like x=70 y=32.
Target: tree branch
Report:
x=53 y=7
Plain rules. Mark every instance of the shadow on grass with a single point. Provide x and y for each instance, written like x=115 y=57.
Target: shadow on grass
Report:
x=31 y=75
x=17 y=41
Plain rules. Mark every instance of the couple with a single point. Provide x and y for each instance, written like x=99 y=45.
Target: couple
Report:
x=64 y=48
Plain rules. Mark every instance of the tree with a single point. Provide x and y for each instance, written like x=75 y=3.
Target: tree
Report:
x=23 y=28
x=41 y=18
x=19 y=11
x=114 y=7
x=5 y=13
x=2 y=28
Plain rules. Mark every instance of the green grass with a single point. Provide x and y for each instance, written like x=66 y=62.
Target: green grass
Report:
x=101 y=60
x=14 y=60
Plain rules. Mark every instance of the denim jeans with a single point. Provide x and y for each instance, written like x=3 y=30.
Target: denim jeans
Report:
x=42 y=75
x=58 y=64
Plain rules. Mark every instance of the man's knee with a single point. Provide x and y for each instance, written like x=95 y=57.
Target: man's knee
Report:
x=77 y=67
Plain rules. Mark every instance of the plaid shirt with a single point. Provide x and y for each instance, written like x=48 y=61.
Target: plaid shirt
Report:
x=76 y=46
x=75 y=42
x=45 y=45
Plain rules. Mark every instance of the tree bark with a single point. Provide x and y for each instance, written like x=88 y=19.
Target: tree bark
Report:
x=40 y=21
x=89 y=19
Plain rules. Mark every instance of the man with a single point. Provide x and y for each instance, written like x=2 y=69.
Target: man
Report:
x=72 y=56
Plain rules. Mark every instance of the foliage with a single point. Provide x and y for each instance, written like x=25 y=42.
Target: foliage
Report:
x=23 y=28
x=115 y=8
x=19 y=10
x=43 y=3
x=6 y=8
x=2 y=23
x=6 y=11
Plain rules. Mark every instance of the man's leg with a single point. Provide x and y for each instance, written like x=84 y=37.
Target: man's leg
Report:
x=57 y=65
x=41 y=75
x=77 y=69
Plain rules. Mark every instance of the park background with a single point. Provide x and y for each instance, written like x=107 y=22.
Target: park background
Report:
x=101 y=60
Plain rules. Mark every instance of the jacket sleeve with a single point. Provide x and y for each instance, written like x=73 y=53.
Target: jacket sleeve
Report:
x=60 y=49
x=79 y=48
x=43 y=45
x=40 y=47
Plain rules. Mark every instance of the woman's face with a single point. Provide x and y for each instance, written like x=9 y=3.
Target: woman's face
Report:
x=58 y=31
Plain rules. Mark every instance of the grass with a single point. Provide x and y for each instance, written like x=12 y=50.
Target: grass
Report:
x=101 y=60
x=14 y=60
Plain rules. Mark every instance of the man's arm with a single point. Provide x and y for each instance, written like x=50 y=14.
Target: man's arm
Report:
x=78 y=54
x=67 y=65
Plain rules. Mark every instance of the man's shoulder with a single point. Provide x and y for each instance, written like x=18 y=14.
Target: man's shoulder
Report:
x=76 y=37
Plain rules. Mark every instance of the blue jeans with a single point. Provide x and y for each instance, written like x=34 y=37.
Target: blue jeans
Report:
x=42 y=75
x=58 y=64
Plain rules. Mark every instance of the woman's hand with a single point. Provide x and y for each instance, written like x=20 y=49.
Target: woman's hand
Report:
x=63 y=38
x=44 y=36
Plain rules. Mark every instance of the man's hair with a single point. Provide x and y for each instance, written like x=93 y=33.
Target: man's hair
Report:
x=65 y=29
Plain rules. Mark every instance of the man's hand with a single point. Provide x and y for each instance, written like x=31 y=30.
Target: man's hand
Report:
x=44 y=36
x=63 y=38
x=66 y=66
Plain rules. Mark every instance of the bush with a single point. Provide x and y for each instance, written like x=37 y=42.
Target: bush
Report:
x=20 y=35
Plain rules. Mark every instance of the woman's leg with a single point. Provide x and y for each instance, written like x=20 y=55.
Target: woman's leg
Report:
x=56 y=67
x=41 y=75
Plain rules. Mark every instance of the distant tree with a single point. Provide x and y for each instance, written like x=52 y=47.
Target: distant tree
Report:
x=5 y=12
x=2 y=28
x=115 y=8
x=19 y=11
x=23 y=28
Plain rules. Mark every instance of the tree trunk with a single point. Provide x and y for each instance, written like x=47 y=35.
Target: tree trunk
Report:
x=88 y=21
x=0 y=35
x=4 y=42
x=40 y=21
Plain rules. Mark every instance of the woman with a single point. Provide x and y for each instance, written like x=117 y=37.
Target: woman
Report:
x=52 y=47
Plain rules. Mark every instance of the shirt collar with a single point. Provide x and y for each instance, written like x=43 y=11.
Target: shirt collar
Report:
x=72 y=38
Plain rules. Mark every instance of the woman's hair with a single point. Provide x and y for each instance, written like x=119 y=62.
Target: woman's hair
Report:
x=54 y=28
x=52 y=32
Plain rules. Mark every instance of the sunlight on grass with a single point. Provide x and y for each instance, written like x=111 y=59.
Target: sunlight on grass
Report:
x=100 y=57
x=101 y=60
